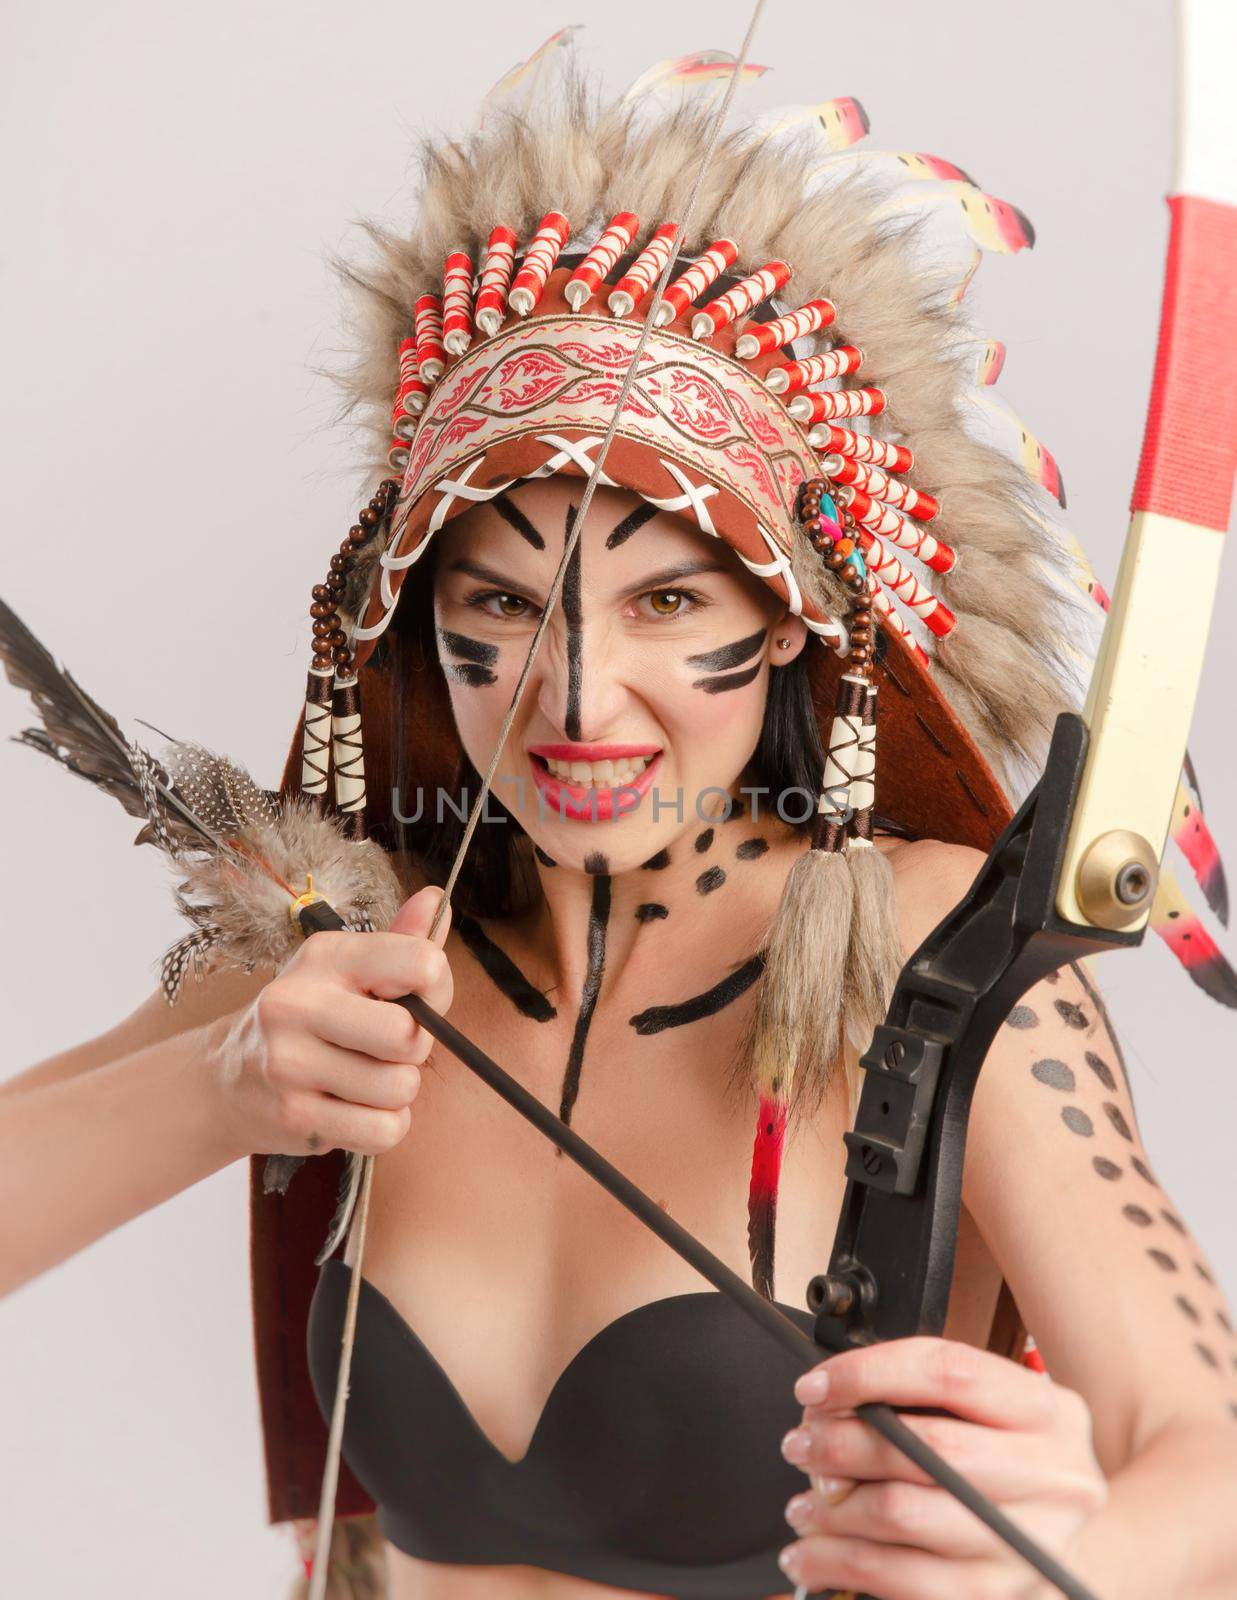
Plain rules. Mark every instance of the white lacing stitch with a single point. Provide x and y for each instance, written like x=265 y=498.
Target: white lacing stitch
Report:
x=580 y=451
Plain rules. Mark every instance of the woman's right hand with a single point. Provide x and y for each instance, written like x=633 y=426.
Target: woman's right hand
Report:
x=321 y=1060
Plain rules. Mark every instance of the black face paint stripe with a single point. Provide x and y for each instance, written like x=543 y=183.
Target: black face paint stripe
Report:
x=459 y=644
x=545 y=860
x=574 y=618
x=469 y=675
x=598 y=918
x=631 y=523
x=515 y=518
x=658 y=1018
x=503 y=972
x=651 y=911
x=736 y=680
x=657 y=862
x=596 y=864
x=729 y=655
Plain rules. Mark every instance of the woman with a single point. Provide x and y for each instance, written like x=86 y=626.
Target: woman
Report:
x=543 y=1402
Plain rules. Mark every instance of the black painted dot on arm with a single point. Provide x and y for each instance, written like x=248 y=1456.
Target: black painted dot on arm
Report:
x=1055 y=1074
x=1188 y=1308
x=1101 y=1069
x=1136 y=1215
x=1172 y=1220
x=1117 y=1118
x=657 y=862
x=1022 y=1017
x=1203 y=1273
x=1208 y=1355
x=1073 y=1016
x=1163 y=1260
x=1143 y=1170
x=711 y=879
x=751 y=849
x=651 y=911
x=1077 y=1121
x=703 y=841
x=1224 y=1322
x=1107 y=1169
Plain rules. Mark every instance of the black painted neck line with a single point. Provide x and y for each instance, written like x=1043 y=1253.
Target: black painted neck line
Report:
x=503 y=972
x=598 y=919
x=658 y=1018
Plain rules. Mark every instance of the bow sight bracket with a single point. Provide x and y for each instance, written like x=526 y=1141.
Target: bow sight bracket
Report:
x=893 y=1253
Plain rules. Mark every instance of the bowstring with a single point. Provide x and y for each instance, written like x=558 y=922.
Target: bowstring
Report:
x=360 y=1218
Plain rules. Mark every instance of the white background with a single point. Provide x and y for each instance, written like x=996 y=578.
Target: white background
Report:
x=172 y=486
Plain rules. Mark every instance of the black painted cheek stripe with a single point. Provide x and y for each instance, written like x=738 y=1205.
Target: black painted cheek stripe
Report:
x=476 y=658
x=658 y=1018
x=728 y=656
x=733 y=680
x=469 y=675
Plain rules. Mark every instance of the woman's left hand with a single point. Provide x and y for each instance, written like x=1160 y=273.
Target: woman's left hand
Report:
x=873 y=1522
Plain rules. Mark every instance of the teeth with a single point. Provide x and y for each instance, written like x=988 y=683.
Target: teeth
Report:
x=598 y=774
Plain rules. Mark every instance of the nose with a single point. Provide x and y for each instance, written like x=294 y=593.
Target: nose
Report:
x=580 y=689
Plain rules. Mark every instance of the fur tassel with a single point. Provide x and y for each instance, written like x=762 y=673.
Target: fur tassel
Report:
x=874 y=955
x=792 y=1040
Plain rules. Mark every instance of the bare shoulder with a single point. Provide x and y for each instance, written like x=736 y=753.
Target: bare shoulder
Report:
x=930 y=877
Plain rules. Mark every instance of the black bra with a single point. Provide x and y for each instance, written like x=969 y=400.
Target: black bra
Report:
x=654 y=1466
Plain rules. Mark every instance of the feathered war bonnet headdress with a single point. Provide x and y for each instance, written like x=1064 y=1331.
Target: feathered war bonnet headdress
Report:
x=805 y=396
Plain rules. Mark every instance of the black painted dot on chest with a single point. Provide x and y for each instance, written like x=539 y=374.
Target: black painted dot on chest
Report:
x=1022 y=1017
x=652 y=911
x=1101 y=1069
x=1071 y=1015
x=751 y=849
x=703 y=841
x=1077 y=1121
x=1055 y=1074
x=710 y=880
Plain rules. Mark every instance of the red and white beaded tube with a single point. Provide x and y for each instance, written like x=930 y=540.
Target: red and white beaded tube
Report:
x=643 y=272
x=912 y=537
x=398 y=452
x=427 y=327
x=538 y=263
x=905 y=586
x=914 y=502
x=690 y=285
x=593 y=270
x=884 y=606
x=737 y=302
x=796 y=375
x=761 y=338
x=457 y=303
x=413 y=391
x=861 y=447
x=496 y=269
x=826 y=404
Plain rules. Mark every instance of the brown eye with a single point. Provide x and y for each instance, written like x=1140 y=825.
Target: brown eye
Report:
x=511 y=605
x=666 y=601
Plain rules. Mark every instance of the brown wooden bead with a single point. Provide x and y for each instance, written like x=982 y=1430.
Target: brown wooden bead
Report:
x=834 y=560
x=357 y=535
x=848 y=574
x=860 y=653
x=339 y=563
x=322 y=647
x=340 y=655
x=319 y=591
x=319 y=609
x=368 y=518
x=336 y=635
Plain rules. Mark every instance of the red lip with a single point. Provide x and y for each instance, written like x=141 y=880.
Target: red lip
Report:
x=576 y=803
x=592 y=752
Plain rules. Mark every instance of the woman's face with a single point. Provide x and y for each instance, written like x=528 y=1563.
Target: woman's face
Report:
x=648 y=690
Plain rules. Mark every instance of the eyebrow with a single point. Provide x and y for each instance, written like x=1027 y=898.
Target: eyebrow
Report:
x=664 y=579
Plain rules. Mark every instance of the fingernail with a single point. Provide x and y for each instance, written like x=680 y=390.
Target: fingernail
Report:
x=791 y=1562
x=832 y=1490
x=797 y=1446
x=799 y=1512
x=812 y=1387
